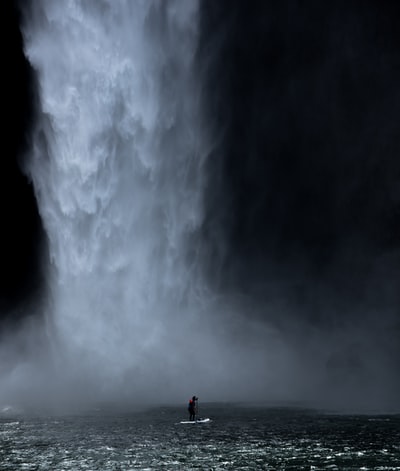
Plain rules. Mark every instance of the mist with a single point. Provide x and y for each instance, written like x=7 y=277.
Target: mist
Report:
x=216 y=204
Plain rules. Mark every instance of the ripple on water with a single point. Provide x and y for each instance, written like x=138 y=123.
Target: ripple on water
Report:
x=288 y=440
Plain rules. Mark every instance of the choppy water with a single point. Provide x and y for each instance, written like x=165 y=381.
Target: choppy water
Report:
x=237 y=438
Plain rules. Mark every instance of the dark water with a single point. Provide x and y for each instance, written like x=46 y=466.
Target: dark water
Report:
x=237 y=438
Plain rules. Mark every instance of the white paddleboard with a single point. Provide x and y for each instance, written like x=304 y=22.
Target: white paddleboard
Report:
x=198 y=421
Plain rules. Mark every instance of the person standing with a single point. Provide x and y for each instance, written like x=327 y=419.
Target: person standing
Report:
x=192 y=408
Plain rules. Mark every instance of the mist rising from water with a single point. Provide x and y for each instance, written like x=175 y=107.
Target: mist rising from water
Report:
x=126 y=163
x=117 y=166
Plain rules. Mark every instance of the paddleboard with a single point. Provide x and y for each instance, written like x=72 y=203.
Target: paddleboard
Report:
x=198 y=421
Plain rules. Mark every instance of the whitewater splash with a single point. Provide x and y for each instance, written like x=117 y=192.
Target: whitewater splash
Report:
x=118 y=166
x=117 y=169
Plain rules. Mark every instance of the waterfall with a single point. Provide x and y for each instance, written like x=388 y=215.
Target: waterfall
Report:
x=184 y=239
x=119 y=161
x=117 y=169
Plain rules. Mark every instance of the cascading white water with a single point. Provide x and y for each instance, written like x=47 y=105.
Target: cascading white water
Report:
x=117 y=168
x=117 y=165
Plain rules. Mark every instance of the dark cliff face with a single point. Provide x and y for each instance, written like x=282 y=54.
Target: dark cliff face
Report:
x=303 y=200
x=21 y=235
x=304 y=104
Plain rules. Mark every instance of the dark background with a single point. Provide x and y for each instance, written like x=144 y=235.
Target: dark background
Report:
x=21 y=234
x=303 y=99
x=303 y=200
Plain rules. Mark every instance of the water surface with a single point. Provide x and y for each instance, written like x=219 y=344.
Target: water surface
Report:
x=237 y=438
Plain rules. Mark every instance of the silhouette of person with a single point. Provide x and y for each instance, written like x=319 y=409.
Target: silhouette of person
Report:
x=192 y=408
